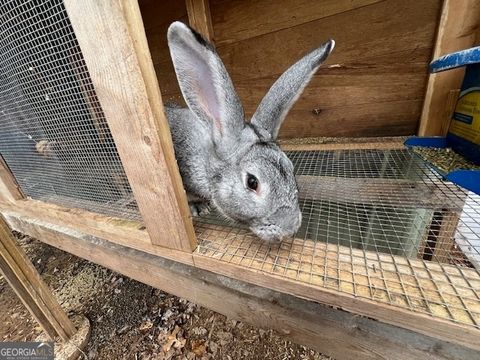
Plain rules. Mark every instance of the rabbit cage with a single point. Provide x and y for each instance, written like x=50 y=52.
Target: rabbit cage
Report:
x=87 y=157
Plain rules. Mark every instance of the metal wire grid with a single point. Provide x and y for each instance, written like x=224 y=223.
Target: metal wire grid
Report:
x=377 y=224
x=53 y=133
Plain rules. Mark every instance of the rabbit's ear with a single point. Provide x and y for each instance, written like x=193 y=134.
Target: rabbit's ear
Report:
x=286 y=90
x=205 y=83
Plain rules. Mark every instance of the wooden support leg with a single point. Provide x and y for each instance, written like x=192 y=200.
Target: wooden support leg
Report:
x=29 y=286
x=445 y=240
x=439 y=243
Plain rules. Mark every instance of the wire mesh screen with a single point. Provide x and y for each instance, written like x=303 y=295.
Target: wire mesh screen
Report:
x=377 y=224
x=53 y=134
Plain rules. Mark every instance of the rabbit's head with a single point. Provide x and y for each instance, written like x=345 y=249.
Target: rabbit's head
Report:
x=252 y=181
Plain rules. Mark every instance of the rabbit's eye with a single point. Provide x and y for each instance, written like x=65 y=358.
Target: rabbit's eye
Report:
x=252 y=182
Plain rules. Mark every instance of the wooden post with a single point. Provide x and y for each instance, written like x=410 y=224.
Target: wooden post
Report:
x=29 y=286
x=199 y=17
x=456 y=31
x=9 y=189
x=445 y=236
x=452 y=98
x=115 y=49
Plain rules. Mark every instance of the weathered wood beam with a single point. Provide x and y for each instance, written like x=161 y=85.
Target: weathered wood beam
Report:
x=29 y=286
x=9 y=189
x=115 y=49
x=121 y=231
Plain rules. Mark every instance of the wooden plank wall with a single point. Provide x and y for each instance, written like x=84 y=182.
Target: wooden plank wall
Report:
x=383 y=49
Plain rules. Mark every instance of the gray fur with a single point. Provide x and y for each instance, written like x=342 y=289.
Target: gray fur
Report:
x=215 y=147
x=286 y=90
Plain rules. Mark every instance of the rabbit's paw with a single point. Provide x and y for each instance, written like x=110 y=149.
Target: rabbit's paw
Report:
x=199 y=208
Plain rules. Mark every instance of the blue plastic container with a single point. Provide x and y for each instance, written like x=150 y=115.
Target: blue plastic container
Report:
x=464 y=132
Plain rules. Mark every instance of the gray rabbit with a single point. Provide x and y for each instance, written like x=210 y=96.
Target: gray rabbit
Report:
x=225 y=161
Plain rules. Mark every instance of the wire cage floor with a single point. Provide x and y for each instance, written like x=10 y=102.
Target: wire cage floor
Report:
x=377 y=224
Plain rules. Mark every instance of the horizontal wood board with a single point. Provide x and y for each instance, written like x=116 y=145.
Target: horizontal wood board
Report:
x=119 y=231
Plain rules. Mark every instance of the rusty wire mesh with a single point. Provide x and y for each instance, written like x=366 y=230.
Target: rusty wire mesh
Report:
x=377 y=224
x=53 y=134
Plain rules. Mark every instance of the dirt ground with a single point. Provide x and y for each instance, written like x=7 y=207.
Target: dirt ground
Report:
x=131 y=320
